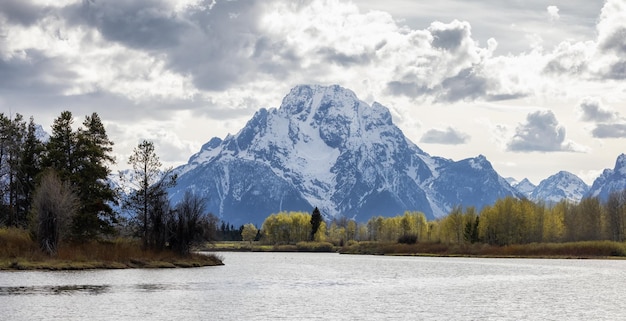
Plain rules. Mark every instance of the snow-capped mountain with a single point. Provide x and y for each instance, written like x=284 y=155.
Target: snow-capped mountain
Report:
x=610 y=180
x=324 y=147
x=525 y=187
x=41 y=134
x=560 y=186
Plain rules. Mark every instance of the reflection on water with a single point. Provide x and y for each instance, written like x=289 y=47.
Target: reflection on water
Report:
x=59 y=289
x=324 y=286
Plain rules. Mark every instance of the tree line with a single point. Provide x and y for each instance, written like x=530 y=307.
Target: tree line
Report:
x=60 y=189
x=508 y=221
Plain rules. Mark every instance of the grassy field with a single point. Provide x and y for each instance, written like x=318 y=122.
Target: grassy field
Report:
x=19 y=252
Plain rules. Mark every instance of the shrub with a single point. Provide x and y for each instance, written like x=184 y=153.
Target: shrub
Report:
x=408 y=239
x=314 y=246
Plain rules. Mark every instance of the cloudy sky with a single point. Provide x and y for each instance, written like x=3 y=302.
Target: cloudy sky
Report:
x=535 y=86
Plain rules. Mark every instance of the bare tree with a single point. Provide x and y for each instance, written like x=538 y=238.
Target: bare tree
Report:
x=148 y=200
x=53 y=207
x=190 y=223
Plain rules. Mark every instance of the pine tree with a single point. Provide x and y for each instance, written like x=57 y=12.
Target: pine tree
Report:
x=316 y=220
x=92 y=157
x=61 y=147
x=30 y=167
x=81 y=159
x=12 y=133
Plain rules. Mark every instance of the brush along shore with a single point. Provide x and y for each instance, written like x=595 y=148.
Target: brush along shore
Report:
x=19 y=252
x=587 y=249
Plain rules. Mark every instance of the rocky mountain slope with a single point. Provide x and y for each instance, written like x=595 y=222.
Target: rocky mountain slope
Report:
x=324 y=147
x=610 y=180
x=560 y=186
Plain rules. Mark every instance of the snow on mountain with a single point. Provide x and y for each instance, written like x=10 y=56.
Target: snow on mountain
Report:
x=525 y=187
x=611 y=180
x=324 y=147
x=560 y=186
x=41 y=134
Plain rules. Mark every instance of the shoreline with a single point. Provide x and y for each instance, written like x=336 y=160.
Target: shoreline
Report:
x=52 y=264
x=572 y=250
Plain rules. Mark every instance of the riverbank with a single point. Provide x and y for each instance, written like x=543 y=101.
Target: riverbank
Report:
x=19 y=252
x=590 y=249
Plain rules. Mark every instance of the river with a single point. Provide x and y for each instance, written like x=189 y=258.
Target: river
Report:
x=324 y=286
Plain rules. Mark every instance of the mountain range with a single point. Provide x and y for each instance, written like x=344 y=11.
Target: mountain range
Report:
x=325 y=148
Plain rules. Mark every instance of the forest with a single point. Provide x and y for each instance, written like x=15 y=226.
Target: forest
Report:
x=508 y=221
x=58 y=192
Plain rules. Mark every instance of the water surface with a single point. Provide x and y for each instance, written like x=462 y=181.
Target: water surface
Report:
x=324 y=286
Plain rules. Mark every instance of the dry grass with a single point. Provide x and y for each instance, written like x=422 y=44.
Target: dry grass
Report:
x=19 y=251
x=589 y=249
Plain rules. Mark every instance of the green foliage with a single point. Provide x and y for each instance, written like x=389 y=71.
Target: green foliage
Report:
x=92 y=157
x=82 y=159
x=287 y=228
x=408 y=239
x=388 y=229
x=249 y=232
x=314 y=247
x=19 y=164
x=316 y=220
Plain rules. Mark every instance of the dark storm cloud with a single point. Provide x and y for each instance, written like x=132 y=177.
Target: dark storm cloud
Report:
x=449 y=136
x=609 y=131
x=542 y=133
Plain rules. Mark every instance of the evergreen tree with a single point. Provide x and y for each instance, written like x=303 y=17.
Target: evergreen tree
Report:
x=61 y=147
x=12 y=134
x=81 y=159
x=30 y=167
x=316 y=220
x=92 y=156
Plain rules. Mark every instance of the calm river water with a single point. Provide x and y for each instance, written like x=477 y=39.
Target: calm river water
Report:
x=304 y=286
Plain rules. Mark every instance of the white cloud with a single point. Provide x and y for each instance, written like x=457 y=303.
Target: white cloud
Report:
x=613 y=130
x=139 y=63
x=591 y=109
x=541 y=133
x=448 y=136
x=553 y=12
x=608 y=123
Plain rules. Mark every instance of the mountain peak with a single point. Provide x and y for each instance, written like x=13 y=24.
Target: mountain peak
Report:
x=325 y=147
x=620 y=164
x=525 y=187
x=611 y=180
x=560 y=186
